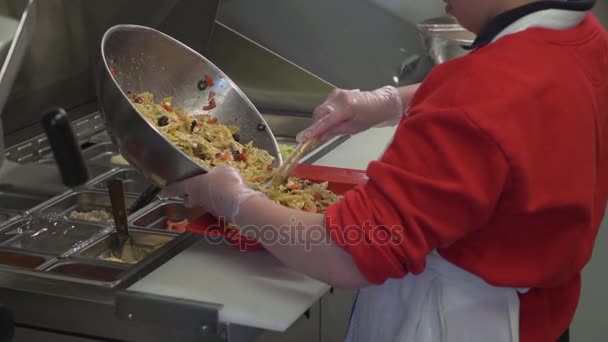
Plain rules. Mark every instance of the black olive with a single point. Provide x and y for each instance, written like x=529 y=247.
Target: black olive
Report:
x=193 y=126
x=236 y=137
x=261 y=127
x=235 y=154
x=217 y=155
x=139 y=100
x=205 y=156
x=163 y=121
x=202 y=85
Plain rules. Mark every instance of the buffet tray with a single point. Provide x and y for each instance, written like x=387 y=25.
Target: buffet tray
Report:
x=85 y=263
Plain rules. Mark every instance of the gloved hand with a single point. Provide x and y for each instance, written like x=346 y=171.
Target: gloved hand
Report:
x=353 y=111
x=221 y=192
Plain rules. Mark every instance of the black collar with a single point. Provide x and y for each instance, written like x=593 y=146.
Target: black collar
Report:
x=502 y=21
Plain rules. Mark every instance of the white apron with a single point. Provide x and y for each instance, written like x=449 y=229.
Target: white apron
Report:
x=444 y=303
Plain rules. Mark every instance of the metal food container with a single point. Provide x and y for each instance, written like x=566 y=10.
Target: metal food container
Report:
x=14 y=204
x=44 y=235
x=82 y=201
x=88 y=265
x=146 y=243
x=85 y=262
x=101 y=272
x=101 y=154
x=21 y=259
x=138 y=59
x=134 y=182
x=157 y=216
x=6 y=216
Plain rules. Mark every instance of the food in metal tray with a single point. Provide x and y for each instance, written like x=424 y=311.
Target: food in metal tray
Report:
x=140 y=247
x=177 y=226
x=211 y=143
x=102 y=216
x=119 y=160
x=111 y=258
x=131 y=255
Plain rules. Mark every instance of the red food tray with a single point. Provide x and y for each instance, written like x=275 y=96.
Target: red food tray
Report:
x=339 y=181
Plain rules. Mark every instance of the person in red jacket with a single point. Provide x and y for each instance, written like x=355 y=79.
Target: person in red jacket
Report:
x=477 y=220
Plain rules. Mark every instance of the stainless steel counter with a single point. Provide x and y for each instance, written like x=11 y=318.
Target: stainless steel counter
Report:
x=62 y=291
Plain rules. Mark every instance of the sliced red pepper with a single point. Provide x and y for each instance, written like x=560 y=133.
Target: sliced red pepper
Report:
x=242 y=157
x=212 y=121
x=317 y=196
x=224 y=156
x=306 y=209
x=294 y=187
x=199 y=123
x=211 y=95
x=177 y=226
x=269 y=167
x=113 y=72
x=137 y=98
x=209 y=80
x=167 y=106
x=210 y=106
x=255 y=179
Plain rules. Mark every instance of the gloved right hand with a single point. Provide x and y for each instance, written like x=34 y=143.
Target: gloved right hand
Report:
x=353 y=111
x=221 y=191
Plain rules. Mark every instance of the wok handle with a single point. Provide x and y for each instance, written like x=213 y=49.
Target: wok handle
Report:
x=65 y=147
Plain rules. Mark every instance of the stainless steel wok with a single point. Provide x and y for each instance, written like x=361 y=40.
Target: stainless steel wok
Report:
x=143 y=59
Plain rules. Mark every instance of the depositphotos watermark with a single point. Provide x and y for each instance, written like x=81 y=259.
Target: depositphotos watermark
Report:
x=297 y=233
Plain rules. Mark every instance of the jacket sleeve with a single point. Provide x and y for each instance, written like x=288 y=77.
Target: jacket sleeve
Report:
x=440 y=179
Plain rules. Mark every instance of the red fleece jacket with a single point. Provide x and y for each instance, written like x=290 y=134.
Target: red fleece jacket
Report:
x=502 y=167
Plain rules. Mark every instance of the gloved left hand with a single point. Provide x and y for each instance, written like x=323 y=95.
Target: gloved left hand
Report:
x=221 y=191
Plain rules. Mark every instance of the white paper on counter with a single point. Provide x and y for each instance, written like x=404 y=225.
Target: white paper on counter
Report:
x=255 y=289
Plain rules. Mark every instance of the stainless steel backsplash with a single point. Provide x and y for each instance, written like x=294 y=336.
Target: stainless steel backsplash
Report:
x=59 y=67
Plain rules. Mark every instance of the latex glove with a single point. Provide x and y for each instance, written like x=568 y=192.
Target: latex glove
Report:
x=221 y=191
x=347 y=112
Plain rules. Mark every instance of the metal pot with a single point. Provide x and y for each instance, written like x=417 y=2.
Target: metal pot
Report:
x=444 y=38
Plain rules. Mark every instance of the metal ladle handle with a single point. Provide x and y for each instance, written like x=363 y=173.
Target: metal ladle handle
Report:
x=283 y=172
x=119 y=208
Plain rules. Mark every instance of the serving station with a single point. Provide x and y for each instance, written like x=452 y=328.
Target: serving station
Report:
x=58 y=278
x=56 y=281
